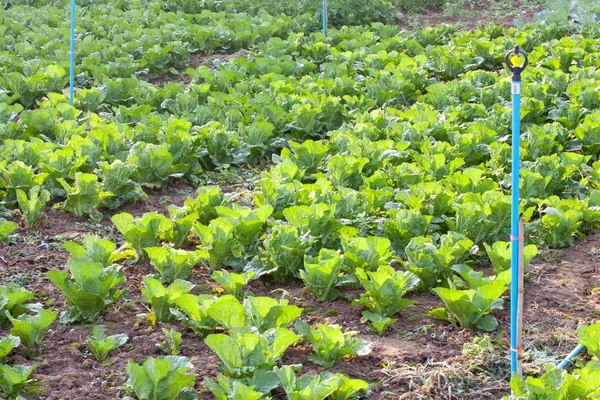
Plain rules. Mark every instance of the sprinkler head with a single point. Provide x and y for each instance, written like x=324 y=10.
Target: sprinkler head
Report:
x=512 y=60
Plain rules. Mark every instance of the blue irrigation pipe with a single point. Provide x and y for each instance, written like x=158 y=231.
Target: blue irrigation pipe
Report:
x=513 y=65
x=324 y=17
x=571 y=356
x=72 y=58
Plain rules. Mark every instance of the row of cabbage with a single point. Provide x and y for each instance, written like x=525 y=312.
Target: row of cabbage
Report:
x=34 y=46
x=251 y=352
x=257 y=328
x=392 y=123
x=140 y=39
x=339 y=12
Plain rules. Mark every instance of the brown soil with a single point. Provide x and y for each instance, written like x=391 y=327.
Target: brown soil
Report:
x=475 y=14
x=214 y=60
x=419 y=357
x=196 y=60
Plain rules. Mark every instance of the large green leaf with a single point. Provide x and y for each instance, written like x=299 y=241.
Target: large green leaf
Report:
x=589 y=336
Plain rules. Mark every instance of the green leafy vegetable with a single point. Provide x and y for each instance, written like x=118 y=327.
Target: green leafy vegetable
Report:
x=236 y=230
x=500 y=255
x=379 y=322
x=32 y=204
x=154 y=164
x=346 y=171
x=431 y=261
x=244 y=352
x=172 y=344
x=162 y=299
x=323 y=274
x=230 y=389
x=385 y=289
x=247 y=222
x=306 y=387
x=14 y=379
x=116 y=179
x=162 y=378
x=172 y=264
x=98 y=250
x=182 y=225
x=324 y=386
x=330 y=344
x=309 y=155
x=222 y=244
x=283 y=252
x=589 y=336
x=558 y=228
x=7 y=228
x=31 y=328
x=558 y=384
x=84 y=195
x=141 y=232
x=192 y=311
x=366 y=253
x=101 y=345
x=92 y=288
x=19 y=176
x=471 y=307
x=6 y=345
x=258 y=312
x=347 y=388
x=319 y=221
x=231 y=282
x=206 y=202
x=13 y=299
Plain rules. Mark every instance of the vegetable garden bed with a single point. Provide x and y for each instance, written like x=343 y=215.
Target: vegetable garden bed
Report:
x=418 y=357
x=349 y=194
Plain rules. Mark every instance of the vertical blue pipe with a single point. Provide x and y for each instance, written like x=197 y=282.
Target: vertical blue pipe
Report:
x=516 y=164
x=72 y=58
x=325 y=17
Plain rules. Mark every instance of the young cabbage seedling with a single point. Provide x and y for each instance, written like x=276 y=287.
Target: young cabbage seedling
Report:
x=13 y=300
x=33 y=204
x=471 y=308
x=324 y=386
x=500 y=253
x=14 y=379
x=84 y=195
x=231 y=282
x=6 y=345
x=232 y=389
x=589 y=336
x=172 y=344
x=162 y=378
x=172 y=264
x=379 y=322
x=6 y=229
x=31 y=328
x=162 y=299
x=257 y=312
x=323 y=274
x=98 y=250
x=384 y=292
x=244 y=352
x=101 y=345
x=331 y=344
x=92 y=289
